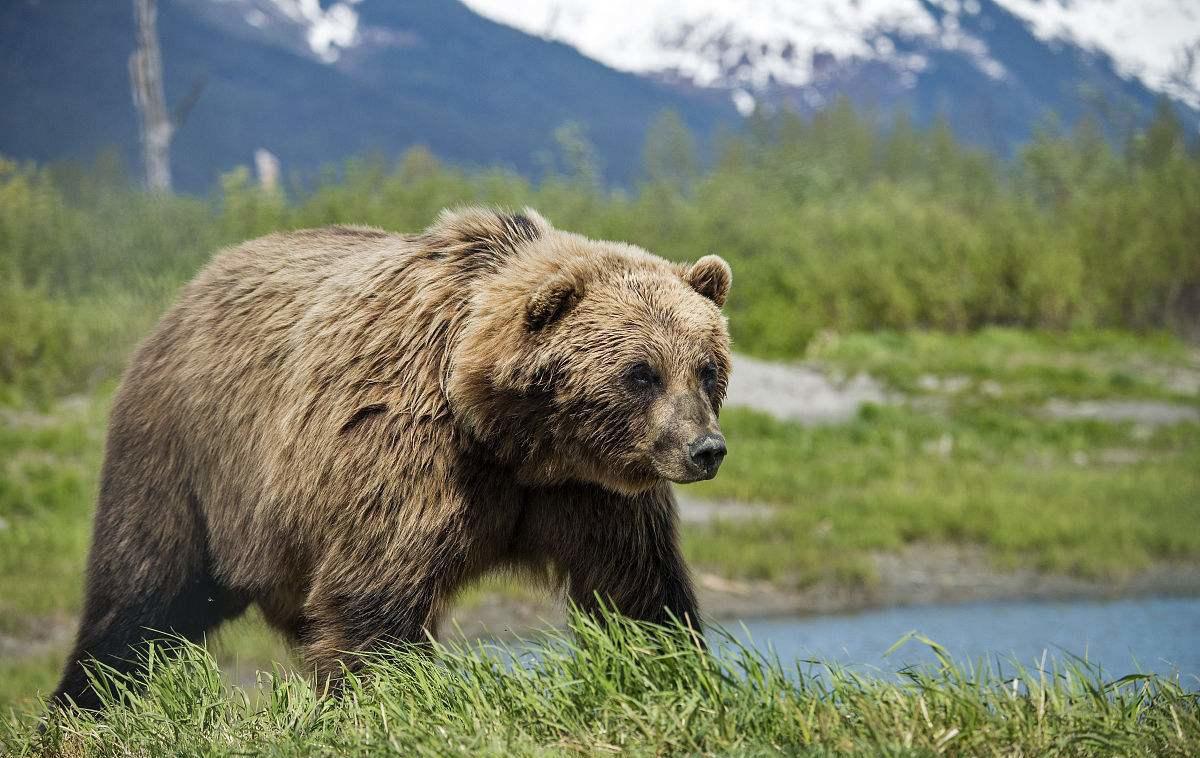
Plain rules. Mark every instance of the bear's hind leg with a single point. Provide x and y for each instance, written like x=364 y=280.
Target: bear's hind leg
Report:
x=146 y=581
x=119 y=635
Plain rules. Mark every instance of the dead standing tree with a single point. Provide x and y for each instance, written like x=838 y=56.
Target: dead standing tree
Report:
x=145 y=73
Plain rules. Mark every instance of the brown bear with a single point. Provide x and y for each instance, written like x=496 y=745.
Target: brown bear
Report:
x=344 y=426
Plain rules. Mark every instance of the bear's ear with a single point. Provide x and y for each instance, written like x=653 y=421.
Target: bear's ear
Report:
x=550 y=301
x=711 y=277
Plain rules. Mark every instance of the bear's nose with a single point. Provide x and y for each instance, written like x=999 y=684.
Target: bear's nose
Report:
x=707 y=453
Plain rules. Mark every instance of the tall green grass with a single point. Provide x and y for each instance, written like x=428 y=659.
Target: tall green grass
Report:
x=619 y=687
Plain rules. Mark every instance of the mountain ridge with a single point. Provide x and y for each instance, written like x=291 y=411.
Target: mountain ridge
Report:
x=713 y=43
x=473 y=91
x=1008 y=60
x=316 y=83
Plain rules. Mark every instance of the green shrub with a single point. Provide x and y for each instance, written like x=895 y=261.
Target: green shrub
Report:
x=52 y=346
x=829 y=224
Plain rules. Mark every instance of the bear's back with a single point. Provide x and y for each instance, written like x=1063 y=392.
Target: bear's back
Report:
x=249 y=314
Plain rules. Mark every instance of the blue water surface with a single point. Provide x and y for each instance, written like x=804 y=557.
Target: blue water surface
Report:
x=1147 y=635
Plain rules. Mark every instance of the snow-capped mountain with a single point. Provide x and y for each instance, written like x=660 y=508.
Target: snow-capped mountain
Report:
x=304 y=26
x=488 y=82
x=771 y=48
x=316 y=82
x=1157 y=41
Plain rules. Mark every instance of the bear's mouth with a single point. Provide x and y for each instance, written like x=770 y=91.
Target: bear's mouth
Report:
x=701 y=477
x=684 y=471
x=694 y=475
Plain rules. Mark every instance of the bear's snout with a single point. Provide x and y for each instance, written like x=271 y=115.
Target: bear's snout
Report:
x=684 y=462
x=690 y=446
x=706 y=453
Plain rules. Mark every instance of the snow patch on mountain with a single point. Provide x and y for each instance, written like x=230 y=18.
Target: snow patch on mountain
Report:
x=1157 y=41
x=749 y=47
x=714 y=42
x=327 y=30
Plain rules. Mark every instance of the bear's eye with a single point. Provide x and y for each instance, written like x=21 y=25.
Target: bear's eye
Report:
x=641 y=376
x=708 y=376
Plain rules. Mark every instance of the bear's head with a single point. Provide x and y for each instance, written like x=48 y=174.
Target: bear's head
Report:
x=581 y=360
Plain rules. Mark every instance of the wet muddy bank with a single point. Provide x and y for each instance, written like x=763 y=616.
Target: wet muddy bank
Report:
x=919 y=575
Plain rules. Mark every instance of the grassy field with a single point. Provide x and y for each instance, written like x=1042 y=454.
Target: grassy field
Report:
x=1018 y=366
x=897 y=253
x=983 y=464
x=1081 y=497
x=631 y=690
x=979 y=466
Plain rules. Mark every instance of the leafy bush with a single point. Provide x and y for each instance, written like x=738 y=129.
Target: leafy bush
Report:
x=51 y=346
x=829 y=224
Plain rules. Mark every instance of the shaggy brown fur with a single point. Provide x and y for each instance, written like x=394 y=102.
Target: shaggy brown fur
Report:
x=344 y=426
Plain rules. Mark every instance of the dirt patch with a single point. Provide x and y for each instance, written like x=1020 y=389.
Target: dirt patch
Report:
x=1144 y=412
x=797 y=392
x=693 y=511
x=73 y=406
x=926 y=574
x=35 y=637
x=811 y=394
x=1182 y=380
x=920 y=574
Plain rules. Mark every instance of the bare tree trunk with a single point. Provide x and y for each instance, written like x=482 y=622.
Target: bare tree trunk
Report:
x=146 y=74
x=266 y=164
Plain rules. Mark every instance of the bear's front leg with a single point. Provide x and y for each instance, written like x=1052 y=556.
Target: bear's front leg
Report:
x=618 y=550
x=366 y=619
x=370 y=603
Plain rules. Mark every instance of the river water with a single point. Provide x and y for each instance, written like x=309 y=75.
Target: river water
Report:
x=1159 y=635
